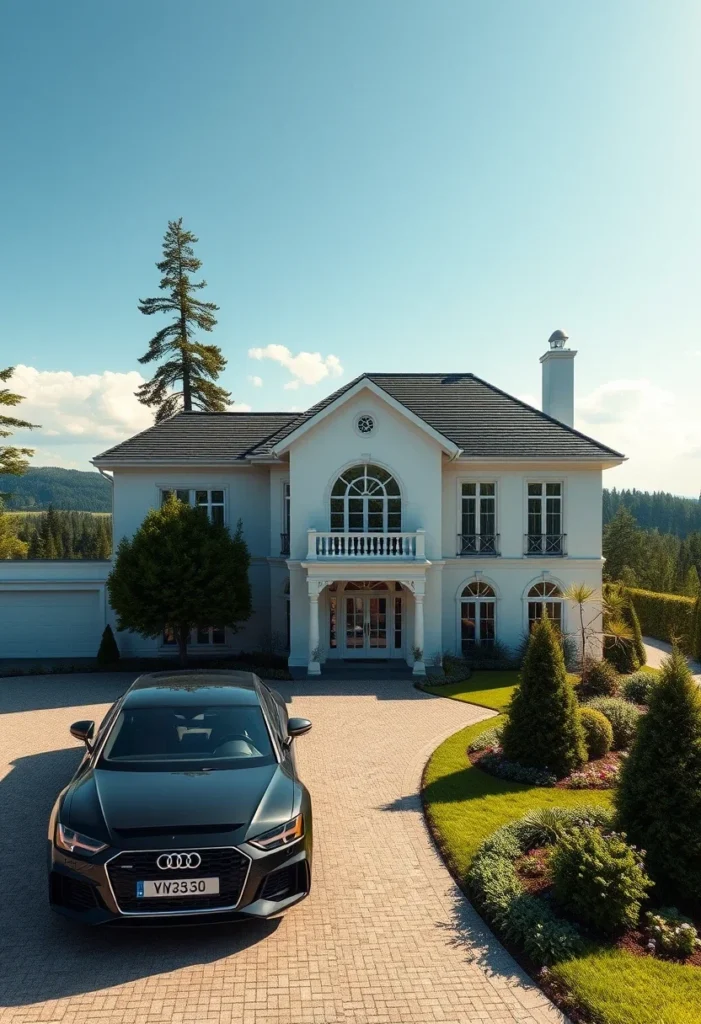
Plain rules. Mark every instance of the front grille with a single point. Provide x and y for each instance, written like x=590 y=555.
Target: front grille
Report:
x=284 y=883
x=74 y=893
x=228 y=865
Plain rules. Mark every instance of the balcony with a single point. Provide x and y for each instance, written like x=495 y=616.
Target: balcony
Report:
x=285 y=544
x=478 y=544
x=550 y=545
x=373 y=546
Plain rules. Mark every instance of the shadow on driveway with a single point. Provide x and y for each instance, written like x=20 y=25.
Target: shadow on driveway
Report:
x=43 y=956
x=38 y=693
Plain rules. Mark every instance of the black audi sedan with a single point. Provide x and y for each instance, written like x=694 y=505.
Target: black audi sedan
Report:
x=187 y=806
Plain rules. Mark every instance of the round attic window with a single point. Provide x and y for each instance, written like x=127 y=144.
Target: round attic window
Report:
x=365 y=424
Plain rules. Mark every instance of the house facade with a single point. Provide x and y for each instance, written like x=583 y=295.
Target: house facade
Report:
x=403 y=516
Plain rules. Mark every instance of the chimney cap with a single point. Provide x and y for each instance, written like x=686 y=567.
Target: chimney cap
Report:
x=557 y=339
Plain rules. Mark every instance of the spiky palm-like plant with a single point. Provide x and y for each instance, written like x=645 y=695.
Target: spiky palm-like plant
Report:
x=186 y=380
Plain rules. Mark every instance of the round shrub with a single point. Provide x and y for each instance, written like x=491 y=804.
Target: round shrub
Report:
x=672 y=933
x=598 y=734
x=488 y=738
x=636 y=688
x=624 y=718
x=599 y=879
x=599 y=679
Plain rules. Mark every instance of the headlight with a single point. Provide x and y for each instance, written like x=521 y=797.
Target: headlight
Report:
x=75 y=842
x=283 y=835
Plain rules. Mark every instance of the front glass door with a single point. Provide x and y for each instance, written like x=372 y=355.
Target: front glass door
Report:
x=366 y=626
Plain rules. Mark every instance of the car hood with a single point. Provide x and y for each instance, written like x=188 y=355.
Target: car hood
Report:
x=128 y=803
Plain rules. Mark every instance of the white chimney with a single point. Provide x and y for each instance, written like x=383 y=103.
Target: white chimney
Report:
x=558 y=379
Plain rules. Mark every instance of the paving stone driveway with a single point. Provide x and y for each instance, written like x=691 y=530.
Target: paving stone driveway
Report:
x=385 y=938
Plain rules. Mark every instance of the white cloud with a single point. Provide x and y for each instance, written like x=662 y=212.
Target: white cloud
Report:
x=659 y=432
x=257 y=382
x=239 y=407
x=96 y=407
x=305 y=367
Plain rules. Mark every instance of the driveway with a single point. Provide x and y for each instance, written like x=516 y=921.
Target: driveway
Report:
x=385 y=938
x=657 y=651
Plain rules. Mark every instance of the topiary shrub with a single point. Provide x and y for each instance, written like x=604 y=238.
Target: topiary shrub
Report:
x=624 y=718
x=598 y=879
x=630 y=617
x=108 y=652
x=659 y=797
x=636 y=689
x=543 y=728
x=598 y=734
x=599 y=679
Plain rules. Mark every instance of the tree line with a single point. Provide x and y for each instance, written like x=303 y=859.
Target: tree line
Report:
x=54 y=534
x=658 y=510
x=650 y=559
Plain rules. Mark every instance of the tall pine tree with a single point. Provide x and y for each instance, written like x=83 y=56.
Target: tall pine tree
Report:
x=12 y=460
x=186 y=379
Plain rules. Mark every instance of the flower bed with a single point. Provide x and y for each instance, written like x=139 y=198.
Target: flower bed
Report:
x=600 y=774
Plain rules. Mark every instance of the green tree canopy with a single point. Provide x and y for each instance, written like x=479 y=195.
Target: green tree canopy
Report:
x=12 y=460
x=659 y=796
x=10 y=544
x=180 y=571
x=543 y=729
x=186 y=379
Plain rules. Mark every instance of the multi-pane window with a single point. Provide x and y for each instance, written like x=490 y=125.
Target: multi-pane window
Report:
x=397 y=623
x=203 y=635
x=477 y=615
x=213 y=501
x=366 y=499
x=548 y=597
x=285 y=535
x=544 y=519
x=478 y=519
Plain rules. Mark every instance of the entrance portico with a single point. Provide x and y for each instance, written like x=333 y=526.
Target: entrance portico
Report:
x=366 y=610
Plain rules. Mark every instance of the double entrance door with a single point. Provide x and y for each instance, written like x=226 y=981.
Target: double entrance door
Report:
x=370 y=623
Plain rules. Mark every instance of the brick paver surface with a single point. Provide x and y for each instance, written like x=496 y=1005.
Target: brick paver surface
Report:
x=385 y=938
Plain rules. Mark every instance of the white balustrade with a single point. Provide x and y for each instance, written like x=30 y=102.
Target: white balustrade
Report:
x=366 y=545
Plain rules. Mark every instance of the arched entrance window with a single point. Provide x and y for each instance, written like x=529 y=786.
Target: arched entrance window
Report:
x=548 y=596
x=477 y=615
x=366 y=499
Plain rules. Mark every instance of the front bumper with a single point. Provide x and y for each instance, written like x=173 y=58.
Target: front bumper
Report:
x=101 y=889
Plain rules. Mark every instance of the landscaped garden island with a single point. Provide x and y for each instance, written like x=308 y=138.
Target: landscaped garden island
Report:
x=573 y=823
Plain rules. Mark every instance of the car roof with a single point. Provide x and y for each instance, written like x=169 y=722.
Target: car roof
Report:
x=160 y=689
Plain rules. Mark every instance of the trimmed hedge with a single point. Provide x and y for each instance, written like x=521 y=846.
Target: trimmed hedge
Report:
x=664 y=616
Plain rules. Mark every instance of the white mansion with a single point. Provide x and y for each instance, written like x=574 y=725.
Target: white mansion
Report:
x=403 y=516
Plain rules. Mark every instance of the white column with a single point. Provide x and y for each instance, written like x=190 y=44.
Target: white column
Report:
x=313 y=668
x=419 y=664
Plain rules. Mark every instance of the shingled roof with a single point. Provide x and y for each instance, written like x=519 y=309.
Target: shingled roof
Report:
x=480 y=419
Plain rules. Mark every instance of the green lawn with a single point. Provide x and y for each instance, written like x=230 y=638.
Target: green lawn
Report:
x=464 y=805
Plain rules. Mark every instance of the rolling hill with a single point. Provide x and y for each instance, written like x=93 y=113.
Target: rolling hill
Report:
x=69 y=489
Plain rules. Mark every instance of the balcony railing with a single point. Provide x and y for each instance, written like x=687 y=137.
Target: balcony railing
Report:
x=284 y=543
x=478 y=544
x=550 y=544
x=366 y=545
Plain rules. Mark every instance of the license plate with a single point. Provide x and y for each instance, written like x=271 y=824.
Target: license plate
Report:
x=178 y=887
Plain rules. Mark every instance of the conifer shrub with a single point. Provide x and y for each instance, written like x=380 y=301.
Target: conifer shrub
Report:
x=658 y=800
x=108 y=652
x=598 y=734
x=599 y=879
x=543 y=729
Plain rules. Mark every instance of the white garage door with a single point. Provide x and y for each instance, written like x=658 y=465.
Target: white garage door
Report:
x=50 y=623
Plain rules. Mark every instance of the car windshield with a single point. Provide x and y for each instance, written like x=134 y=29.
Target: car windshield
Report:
x=194 y=737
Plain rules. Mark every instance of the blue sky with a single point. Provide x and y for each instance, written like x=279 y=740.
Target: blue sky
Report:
x=398 y=185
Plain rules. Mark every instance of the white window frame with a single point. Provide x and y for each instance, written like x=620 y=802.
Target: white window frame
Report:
x=558 y=600
x=192 y=499
x=479 y=483
x=459 y=599
x=542 y=481
x=286 y=513
x=383 y=496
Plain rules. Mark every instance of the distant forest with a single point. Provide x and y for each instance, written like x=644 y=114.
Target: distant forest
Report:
x=71 y=490
x=656 y=511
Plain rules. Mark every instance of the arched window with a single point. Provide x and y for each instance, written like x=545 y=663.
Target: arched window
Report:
x=477 y=615
x=366 y=499
x=548 y=596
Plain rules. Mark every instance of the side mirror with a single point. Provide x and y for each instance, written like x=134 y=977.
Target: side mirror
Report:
x=83 y=731
x=298 y=727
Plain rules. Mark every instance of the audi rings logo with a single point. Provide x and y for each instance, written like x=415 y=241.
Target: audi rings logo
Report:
x=175 y=861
